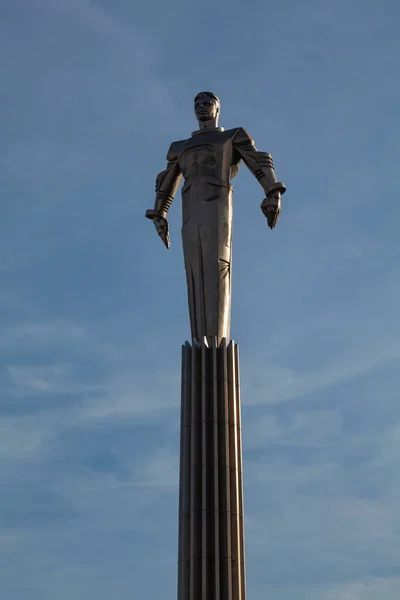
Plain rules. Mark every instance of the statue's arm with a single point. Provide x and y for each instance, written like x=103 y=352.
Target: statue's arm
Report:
x=167 y=183
x=259 y=163
x=262 y=167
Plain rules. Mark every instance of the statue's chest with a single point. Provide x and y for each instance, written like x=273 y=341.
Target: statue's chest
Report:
x=206 y=159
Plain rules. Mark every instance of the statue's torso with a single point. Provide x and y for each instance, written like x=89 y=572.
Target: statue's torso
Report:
x=208 y=156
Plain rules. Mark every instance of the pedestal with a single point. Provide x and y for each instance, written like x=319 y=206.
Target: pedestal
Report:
x=211 y=526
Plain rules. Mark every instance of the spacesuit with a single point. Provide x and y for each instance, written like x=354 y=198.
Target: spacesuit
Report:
x=208 y=161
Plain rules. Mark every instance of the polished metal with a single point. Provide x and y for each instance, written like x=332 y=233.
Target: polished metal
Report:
x=211 y=531
x=208 y=161
x=211 y=518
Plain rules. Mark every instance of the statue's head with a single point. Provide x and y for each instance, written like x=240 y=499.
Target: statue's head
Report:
x=206 y=107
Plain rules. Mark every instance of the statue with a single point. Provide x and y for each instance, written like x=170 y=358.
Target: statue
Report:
x=208 y=161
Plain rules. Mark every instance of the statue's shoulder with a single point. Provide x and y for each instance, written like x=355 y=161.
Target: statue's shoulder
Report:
x=240 y=135
x=175 y=148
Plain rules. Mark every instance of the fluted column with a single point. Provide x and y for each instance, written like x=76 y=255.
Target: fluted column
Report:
x=211 y=527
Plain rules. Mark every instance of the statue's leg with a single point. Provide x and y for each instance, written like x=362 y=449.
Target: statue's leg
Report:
x=191 y=258
x=215 y=233
x=206 y=237
x=193 y=267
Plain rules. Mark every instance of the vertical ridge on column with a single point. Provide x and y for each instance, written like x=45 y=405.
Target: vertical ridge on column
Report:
x=234 y=477
x=181 y=469
x=215 y=505
x=185 y=467
x=224 y=486
x=240 y=473
x=205 y=376
x=195 y=477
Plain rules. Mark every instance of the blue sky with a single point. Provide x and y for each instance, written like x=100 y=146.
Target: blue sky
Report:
x=94 y=312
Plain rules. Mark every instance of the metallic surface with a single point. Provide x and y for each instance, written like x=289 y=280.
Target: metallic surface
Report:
x=211 y=530
x=211 y=520
x=208 y=161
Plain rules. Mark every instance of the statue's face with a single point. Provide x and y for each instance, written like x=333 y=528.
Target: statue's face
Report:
x=206 y=108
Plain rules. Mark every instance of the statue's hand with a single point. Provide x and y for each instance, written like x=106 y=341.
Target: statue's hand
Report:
x=162 y=228
x=271 y=207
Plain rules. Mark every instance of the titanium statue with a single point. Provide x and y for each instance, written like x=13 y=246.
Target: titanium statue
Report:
x=208 y=160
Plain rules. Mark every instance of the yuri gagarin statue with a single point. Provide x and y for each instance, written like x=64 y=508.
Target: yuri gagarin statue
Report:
x=207 y=161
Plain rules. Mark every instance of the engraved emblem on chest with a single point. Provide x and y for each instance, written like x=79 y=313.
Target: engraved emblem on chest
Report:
x=200 y=160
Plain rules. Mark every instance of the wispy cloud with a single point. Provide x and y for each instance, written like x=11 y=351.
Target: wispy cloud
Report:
x=366 y=590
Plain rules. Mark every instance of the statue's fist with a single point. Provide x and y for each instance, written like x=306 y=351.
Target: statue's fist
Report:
x=162 y=228
x=271 y=207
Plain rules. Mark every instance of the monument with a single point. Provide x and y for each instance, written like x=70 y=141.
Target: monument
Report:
x=211 y=561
